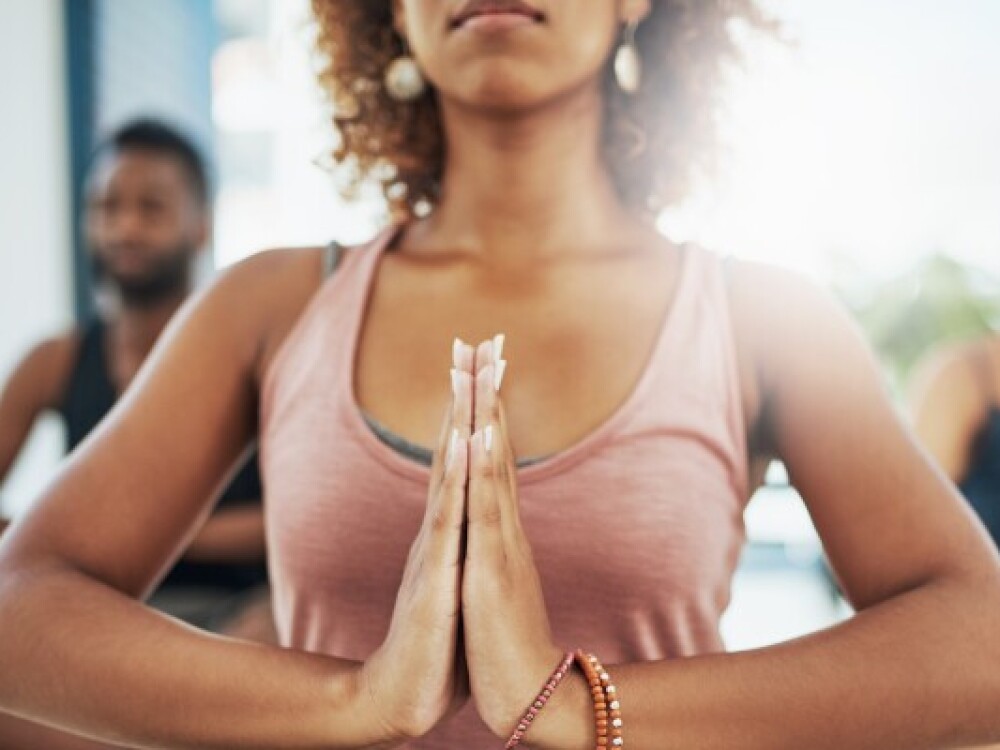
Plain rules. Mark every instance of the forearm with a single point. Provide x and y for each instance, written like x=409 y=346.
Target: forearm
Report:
x=232 y=535
x=82 y=657
x=917 y=671
x=20 y=734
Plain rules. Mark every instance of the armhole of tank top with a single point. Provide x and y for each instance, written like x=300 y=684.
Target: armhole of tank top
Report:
x=60 y=401
x=84 y=340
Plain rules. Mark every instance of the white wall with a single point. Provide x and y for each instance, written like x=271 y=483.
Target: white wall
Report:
x=35 y=226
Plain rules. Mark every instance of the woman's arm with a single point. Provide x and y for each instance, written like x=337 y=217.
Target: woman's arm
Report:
x=918 y=666
x=78 y=651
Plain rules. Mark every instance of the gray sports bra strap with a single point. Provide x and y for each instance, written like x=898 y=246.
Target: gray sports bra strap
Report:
x=331 y=258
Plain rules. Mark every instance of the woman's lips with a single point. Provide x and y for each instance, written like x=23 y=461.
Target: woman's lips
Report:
x=497 y=20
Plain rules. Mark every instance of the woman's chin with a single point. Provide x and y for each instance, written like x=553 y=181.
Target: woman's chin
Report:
x=504 y=91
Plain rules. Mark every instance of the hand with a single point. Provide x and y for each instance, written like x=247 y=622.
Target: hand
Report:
x=508 y=641
x=418 y=677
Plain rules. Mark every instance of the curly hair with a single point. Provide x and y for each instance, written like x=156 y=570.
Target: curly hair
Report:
x=656 y=142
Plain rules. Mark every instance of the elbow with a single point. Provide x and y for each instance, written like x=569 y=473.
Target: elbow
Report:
x=970 y=616
x=23 y=572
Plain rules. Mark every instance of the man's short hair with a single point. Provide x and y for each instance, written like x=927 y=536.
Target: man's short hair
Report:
x=156 y=137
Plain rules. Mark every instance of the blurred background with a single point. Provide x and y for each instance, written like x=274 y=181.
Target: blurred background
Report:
x=863 y=153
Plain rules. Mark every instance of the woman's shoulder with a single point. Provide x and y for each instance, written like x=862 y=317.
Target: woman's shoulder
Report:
x=271 y=271
x=266 y=293
x=787 y=327
x=277 y=279
x=774 y=307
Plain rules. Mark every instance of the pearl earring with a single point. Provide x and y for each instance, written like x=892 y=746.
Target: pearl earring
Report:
x=404 y=80
x=628 y=64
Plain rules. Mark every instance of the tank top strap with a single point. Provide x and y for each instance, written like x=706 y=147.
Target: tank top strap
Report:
x=695 y=370
x=89 y=393
x=324 y=332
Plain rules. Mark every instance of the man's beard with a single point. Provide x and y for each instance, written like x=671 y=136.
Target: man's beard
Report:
x=167 y=277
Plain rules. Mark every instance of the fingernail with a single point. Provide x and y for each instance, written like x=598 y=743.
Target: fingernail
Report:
x=454 y=382
x=498 y=373
x=452 y=445
x=487 y=374
x=498 y=347
x=456 y=351
x=488 y=438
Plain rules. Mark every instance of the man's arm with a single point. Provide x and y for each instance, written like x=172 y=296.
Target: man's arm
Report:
x=231 y=535
x=947 y=406
x=34 y=387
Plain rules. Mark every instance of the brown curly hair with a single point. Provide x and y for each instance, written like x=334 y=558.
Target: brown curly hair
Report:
x=656 y=142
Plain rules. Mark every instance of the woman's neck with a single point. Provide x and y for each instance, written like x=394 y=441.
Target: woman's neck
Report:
x=527 y=185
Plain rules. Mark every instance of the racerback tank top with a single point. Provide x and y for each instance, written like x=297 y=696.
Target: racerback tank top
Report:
x=636 y=529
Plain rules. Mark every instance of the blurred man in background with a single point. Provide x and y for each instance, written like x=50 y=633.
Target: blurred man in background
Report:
x=146 y=222
x=956 y=408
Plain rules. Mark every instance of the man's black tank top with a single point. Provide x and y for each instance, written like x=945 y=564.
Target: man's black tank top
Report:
x=89 y=396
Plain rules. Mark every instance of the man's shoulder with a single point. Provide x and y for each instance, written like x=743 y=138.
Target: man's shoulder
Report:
x=54 y=356
x=44 y=369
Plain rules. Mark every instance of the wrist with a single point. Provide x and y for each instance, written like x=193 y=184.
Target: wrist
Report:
x=359 y=713
x=379 y=727
x=504 y=703
x=567 y=723
x=566 y=719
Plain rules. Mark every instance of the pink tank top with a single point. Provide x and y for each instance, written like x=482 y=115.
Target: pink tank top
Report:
x=664 y=478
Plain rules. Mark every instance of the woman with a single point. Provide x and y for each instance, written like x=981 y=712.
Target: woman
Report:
x=956 y=407
x=648 y=387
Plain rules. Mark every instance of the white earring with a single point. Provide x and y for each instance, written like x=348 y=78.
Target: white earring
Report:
x=628 y=64
x=404 y=81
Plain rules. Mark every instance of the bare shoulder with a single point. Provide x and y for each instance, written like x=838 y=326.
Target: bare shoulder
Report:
x=948 y=399
x=271 y=275
x=784 y=316
x=950 y=369
x=784 y=324
x=55 y=350
x=772 y=302
x=45 y=368
x=184 y=436
x=789 y=323
x=266 y=293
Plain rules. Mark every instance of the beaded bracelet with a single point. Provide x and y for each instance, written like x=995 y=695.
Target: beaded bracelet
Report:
x=614 y=706
x=607 y=708
x=540 y=700
x=597 y=696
